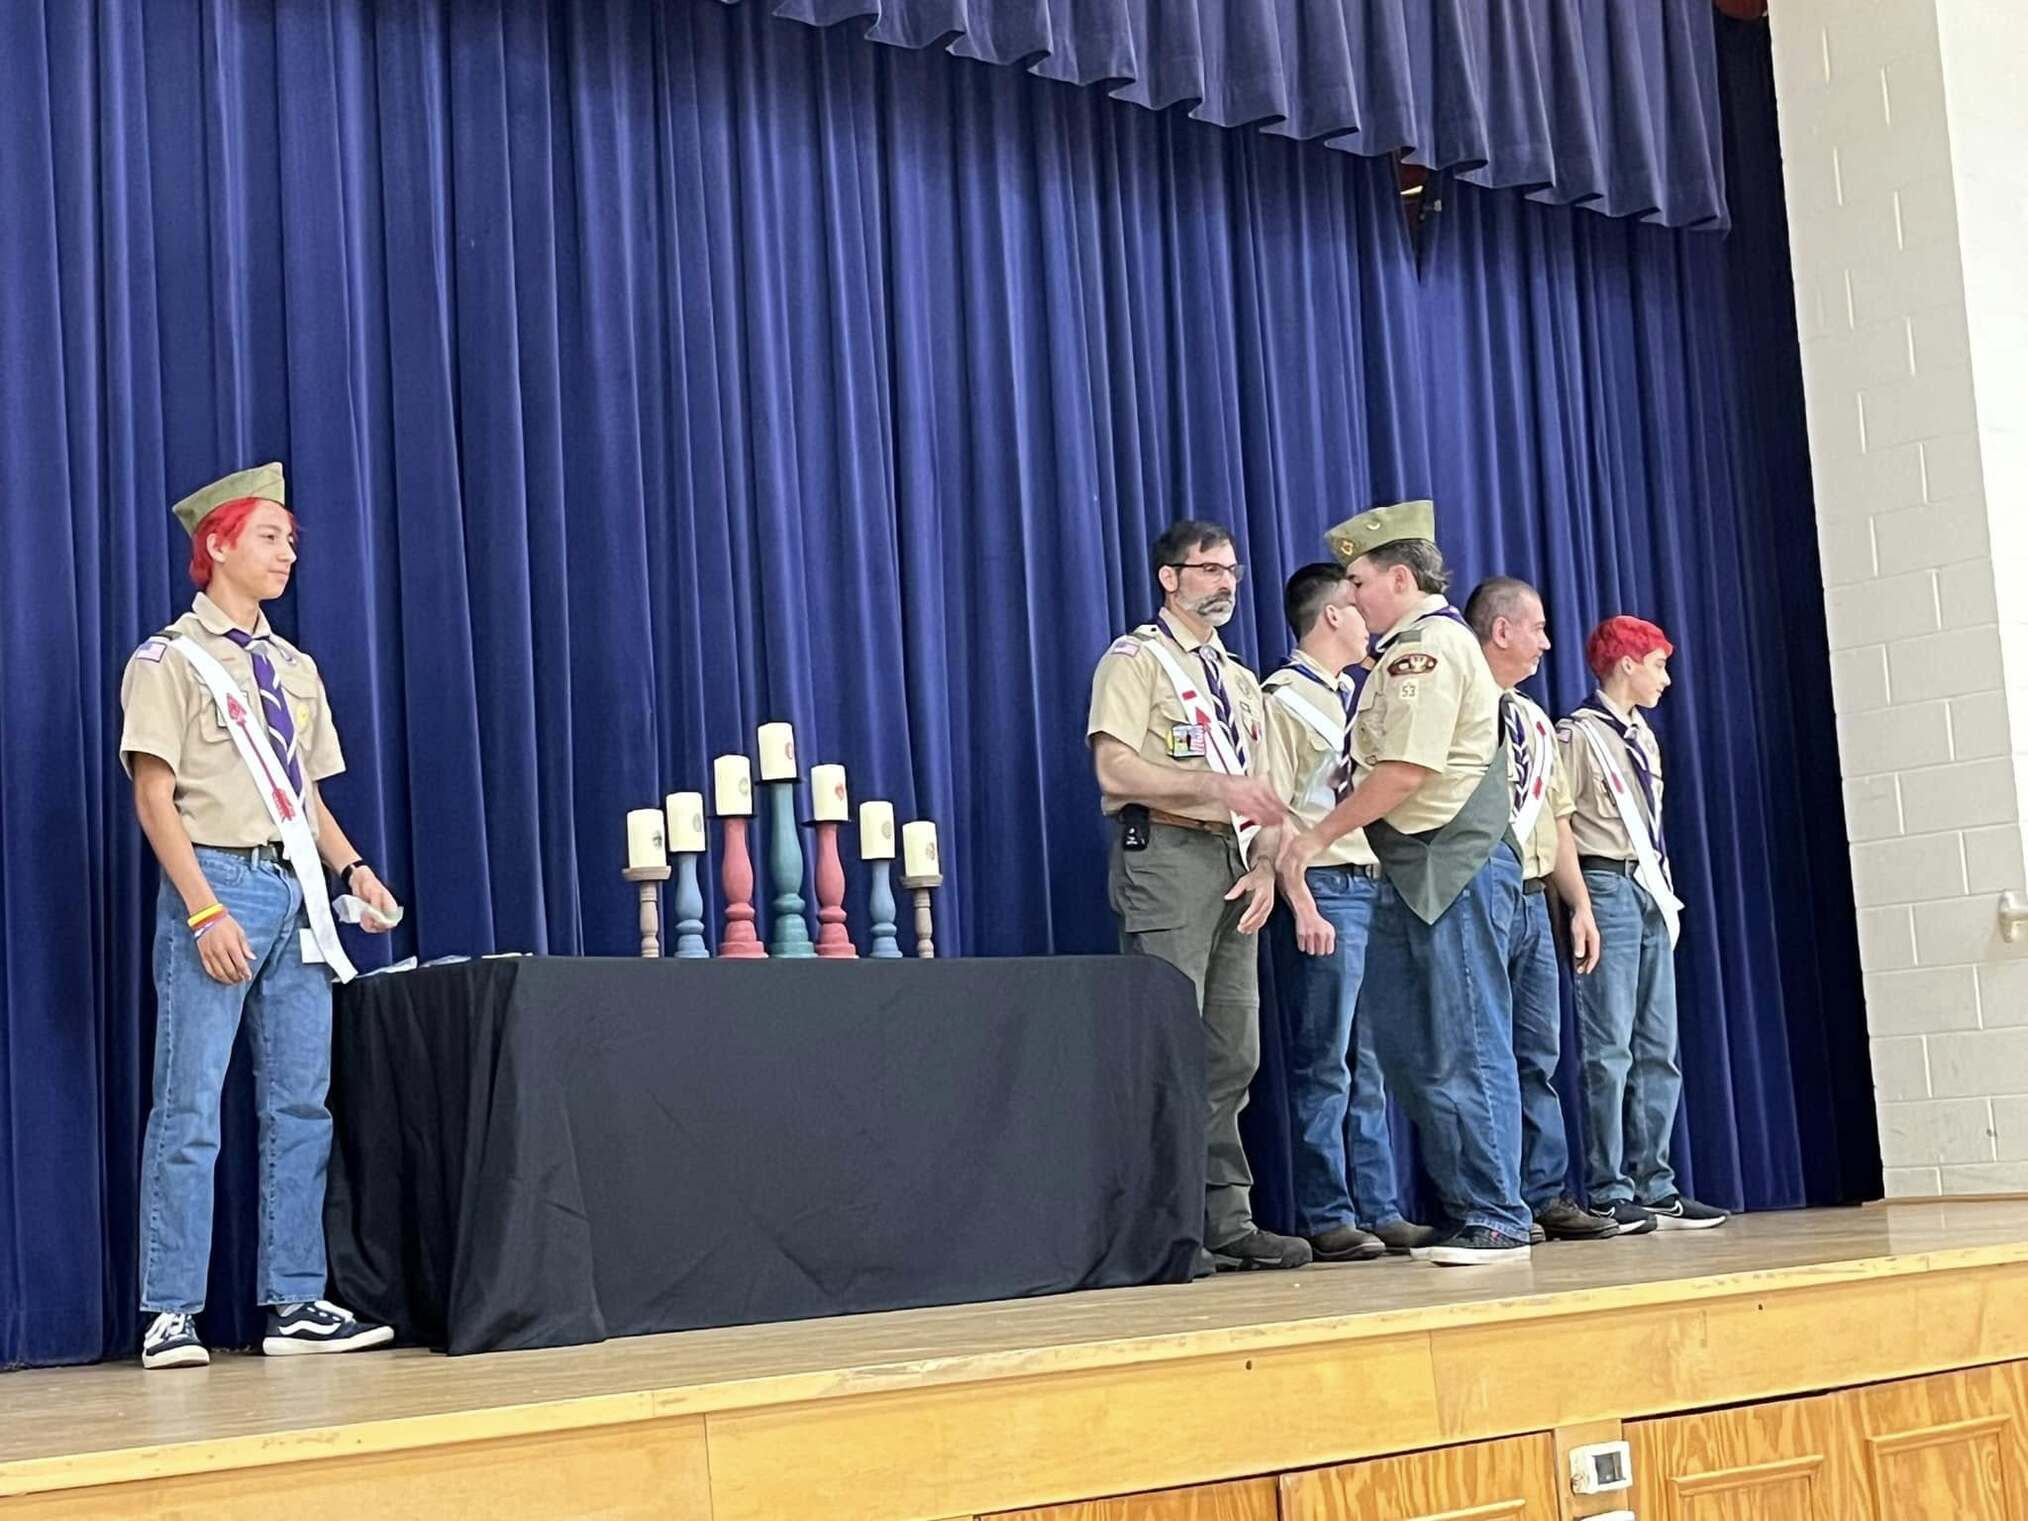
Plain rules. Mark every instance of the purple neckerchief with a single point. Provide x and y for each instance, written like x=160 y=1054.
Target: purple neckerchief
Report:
x=1378 y=644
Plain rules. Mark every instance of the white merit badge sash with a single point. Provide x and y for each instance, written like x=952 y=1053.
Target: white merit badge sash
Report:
x=1197 y=708
x=1648 y=868
x=285 y=809
x=1317 y=789
x=1537 y=757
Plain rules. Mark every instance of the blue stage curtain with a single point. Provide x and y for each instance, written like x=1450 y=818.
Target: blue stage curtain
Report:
x=1581 y=102
x=647 y=369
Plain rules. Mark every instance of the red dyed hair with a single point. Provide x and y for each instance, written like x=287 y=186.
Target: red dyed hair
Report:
x=225 y=524
x=1623 y=637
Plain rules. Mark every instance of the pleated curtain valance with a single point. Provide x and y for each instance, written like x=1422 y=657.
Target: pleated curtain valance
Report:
x=1609 y=104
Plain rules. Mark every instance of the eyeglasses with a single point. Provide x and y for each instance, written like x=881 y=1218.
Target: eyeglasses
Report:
x=1235 y=573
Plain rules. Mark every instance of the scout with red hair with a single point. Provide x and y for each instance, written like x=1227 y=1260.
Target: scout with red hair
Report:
x=228 y=732
x=1629 y=1071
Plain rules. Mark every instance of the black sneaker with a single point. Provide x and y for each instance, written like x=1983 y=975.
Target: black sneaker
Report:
x=1202 y=1266
x=171 y=1342
x=1476 y=1246
x=1406 y=1237
x=1261 y=1249
x=1679 y=1212
x=1562 y=1219
x=1347 y=1243
x=1627 y=1217
x=320 y=1326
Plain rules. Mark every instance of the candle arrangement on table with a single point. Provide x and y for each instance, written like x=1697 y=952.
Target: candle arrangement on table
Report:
x=678 y=829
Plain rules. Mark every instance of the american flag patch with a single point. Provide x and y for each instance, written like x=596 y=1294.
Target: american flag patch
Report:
x=154 y=649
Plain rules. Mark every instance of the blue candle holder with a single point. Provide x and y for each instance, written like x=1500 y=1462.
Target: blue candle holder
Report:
x=689 y=905
x=885 y=946
x=790 y=930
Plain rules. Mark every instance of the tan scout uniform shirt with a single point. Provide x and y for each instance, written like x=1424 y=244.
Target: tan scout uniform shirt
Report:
x=1596 y=826
x=1538 y=851
x=1296 y=754
x=170 y=713
x=1134 y=701
x=1430 y=701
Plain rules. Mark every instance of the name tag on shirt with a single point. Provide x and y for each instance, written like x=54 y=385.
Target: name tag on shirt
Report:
x=1188 y=740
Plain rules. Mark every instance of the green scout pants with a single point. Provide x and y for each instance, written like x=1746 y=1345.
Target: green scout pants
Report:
x=1170 y=899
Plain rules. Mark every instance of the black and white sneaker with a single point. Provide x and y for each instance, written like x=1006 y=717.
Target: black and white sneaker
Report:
x=1679 y=1212
x=1476 y=1246
x=171 y=1342
x=1629 y=1218
x=320 y=1326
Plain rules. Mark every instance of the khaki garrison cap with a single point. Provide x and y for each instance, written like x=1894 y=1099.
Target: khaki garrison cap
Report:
x=264 y=481
x=1382 y=525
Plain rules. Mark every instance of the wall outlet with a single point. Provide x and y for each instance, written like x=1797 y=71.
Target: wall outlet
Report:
x=1601 y=1468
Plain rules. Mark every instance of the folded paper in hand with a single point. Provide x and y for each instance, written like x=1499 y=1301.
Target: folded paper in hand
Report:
x=350 y=910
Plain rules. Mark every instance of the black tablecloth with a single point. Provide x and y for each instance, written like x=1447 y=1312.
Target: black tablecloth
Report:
x=540 y=1152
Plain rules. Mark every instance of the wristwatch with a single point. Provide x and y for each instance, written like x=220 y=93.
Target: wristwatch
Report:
x=345 y=876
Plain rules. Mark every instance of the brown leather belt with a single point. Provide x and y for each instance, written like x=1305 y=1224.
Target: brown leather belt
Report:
x=1178 y=821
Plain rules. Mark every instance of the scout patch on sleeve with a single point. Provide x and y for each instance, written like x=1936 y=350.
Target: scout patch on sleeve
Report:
x=1415 y=663
x=153 y=649
x=1126 y=644
x=1406 y=689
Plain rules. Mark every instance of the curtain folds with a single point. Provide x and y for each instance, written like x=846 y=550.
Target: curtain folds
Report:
x=1580 y=102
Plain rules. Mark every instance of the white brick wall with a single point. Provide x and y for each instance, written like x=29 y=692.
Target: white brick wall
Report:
x=1901 y=125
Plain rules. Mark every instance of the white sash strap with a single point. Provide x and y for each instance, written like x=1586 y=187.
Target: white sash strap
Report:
x=1317 y=790
x=1197 y=708
x=1536 y=760
x=271 y=782
x=1648 y=869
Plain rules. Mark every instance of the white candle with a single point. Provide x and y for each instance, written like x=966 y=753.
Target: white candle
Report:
x=827 y=795
x=919 y=849
x=644 y=838
x=685 y=811
x=732 y=786
x=777 y=753
x=876 y=831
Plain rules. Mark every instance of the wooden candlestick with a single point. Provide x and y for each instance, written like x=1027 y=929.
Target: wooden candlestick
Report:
x=885 y=947
x=649 y=880
x=925 y=938
x=739 y=942
x=690 y=944
x=832 y=940
x=785 y=865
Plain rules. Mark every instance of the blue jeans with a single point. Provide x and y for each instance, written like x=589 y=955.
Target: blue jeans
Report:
x=1376 y=1186
x=1626 y=1035
x=1538 y=1040
x=1443 y=1025
x=287 y=1009
x=1320 y=999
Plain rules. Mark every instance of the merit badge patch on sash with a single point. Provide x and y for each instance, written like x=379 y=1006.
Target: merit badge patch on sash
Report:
x=1415 y=663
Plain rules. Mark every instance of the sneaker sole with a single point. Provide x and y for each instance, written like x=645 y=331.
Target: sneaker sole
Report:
x=1476 y=1256
x=178 y=1357
x=1671 y=1223
x=1605 y=1233
x=297 y=1346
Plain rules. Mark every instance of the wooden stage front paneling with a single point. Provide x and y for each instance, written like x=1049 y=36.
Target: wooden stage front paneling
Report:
x=980 y=1409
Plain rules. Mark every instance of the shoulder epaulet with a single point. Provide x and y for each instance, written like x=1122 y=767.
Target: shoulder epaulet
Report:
x=1410 y=635
x=1276 y=679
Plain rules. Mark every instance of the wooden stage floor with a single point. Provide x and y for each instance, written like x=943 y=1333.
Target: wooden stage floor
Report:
x=963 y=1410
